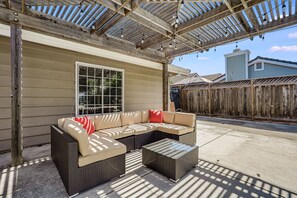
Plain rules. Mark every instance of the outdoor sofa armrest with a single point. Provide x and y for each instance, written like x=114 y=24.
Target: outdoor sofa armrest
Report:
x=64 y=153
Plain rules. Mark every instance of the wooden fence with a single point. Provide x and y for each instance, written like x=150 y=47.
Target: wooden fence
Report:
x=266 y=98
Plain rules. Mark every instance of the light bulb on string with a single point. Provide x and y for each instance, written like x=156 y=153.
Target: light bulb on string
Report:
x=122 y=35
x=182 y=3
x=236 y=45
x=175 y=48
x=174 y=40
x=251 y=38
x=264 y=20
x=215 y=49
x=284 y=8
x=170 y=45
x=226 y=32
x=142 y=40
x=197 y=55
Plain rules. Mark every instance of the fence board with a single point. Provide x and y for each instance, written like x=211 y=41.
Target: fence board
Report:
x=268 y=98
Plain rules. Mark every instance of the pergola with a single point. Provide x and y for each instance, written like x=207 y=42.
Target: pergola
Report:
x=154 y=30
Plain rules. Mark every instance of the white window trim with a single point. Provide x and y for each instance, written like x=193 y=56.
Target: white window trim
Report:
x=255 y=66
x=77 y=63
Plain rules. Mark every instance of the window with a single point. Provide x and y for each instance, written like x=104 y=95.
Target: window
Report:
x=259 y=66
x=98 y=89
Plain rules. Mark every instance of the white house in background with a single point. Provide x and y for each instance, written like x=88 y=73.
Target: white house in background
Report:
x=238 y=66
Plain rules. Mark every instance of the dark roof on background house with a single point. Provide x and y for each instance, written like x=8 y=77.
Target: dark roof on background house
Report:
x=178 y=78
x=193 y=80
x=212 y=77
x=272 y=59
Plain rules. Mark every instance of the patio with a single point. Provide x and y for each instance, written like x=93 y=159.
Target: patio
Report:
x=235 y=161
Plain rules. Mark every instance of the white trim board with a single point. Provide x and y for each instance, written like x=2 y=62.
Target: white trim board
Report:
x=86 y=49
x=277 y=63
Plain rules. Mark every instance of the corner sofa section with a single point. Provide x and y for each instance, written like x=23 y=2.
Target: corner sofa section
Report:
x=115 y=134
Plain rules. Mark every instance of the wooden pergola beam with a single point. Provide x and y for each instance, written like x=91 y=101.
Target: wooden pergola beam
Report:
x=16 y=93
x=73 y=33
x=213 y=15
x=274 y=25
x=103 y=20
x=237 y=15
x=165 y=75
x=251 y=15
x=116 y=18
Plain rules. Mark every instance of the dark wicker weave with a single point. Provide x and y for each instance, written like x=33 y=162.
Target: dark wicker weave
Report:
x=189 y=138
x=170 y=158
x=128 y=141
x=64 y=152
x=145 y=138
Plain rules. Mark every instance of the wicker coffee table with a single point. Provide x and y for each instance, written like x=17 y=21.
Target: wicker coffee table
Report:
x=170 y=158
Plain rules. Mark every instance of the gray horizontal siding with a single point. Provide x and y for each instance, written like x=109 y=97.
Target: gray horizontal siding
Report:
x=49 y=89
x=271 y=70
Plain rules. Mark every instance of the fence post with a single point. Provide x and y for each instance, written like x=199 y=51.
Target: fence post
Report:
x=209 y=100
x=252 y=95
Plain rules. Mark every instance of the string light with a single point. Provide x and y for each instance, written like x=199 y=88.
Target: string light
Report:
x=161 y=47
x=170 y=45
x=236 y=45
x=175 y=48
x=174 y=40
x=180 y=58
x=284 y=8
x=182 y=3
x=264 y=20
x=215 y=49
x=142 y=40
x=94 y=21
x=251 y=38
x=122 y=35
x=199 y=41
x=226 y=32
x=197 y=54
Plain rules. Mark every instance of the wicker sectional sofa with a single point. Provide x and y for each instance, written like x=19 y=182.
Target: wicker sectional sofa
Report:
x=115 y=134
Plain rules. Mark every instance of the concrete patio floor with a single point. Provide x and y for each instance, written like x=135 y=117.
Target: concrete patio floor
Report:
x=235 y=161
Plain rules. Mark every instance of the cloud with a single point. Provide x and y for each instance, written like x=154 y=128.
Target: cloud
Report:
x=293 y=35
x=203 y=58
x=291 y=48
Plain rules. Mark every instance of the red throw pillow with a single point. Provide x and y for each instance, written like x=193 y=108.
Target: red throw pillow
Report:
x=156 y=116
x=87 y=124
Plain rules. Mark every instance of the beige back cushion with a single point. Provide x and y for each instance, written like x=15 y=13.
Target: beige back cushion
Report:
x=131 y=118
x=185 y=119
x=144 y=116
x=107 y=121
x=76 y=130
x=61 y=121
x=168 y=117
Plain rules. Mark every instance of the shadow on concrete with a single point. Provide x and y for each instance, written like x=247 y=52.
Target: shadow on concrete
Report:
x=40 y=178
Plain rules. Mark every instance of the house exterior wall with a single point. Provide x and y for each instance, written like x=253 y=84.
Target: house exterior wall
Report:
x=236 y=67
x=49 y=88
x=271 y=70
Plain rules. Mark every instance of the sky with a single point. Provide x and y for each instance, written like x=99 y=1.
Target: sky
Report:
x=280 y=44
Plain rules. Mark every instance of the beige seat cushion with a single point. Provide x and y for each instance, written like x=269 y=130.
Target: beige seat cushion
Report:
x=131 y=118
x=140 y=128
x=107 y=121
x=152 y=126
x=144 y=116
x=76 y=130
x=175 y=129
x=118 y=132
x=185 y=119
x=168 y=117
x=101 y=148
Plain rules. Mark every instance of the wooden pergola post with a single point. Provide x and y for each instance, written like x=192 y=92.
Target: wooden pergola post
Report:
x=165 y=87
x=16 y=93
